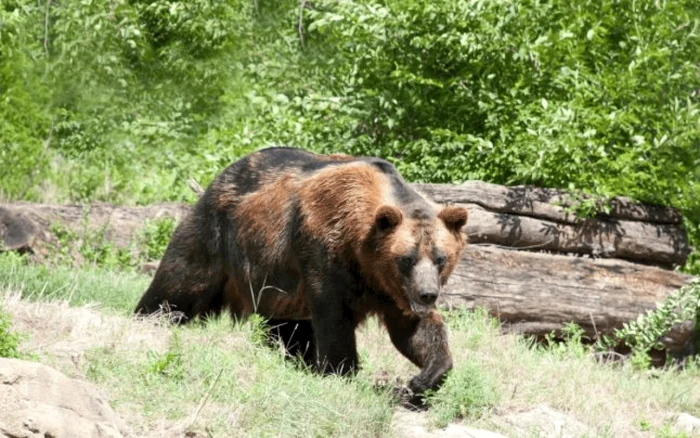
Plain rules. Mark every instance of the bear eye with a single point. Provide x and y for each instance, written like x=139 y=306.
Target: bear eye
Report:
x=407 y=261
x=440 y=260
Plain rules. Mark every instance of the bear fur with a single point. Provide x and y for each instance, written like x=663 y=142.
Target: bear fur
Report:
x=316 y=244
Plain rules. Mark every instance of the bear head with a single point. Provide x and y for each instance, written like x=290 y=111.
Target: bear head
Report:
x=412 y=251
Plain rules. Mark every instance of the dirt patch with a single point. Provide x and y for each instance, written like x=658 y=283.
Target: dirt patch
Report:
x=410 y=424
x=63 y=334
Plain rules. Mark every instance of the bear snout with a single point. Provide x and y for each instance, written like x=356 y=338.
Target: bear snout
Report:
x=425 y=286
x=429 y=297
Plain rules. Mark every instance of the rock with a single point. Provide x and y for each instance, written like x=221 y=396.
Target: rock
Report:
x=17 y=231
x=542 y=421
x=38 y=401
x=686 y=423
x=409 y=424
x=150 y=267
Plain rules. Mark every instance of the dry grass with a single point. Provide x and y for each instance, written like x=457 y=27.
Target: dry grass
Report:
x=64 y=333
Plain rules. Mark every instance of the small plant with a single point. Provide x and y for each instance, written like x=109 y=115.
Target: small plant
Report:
x=9 y=340
x=467 y=393
x=569 y=342
x=645 y=333
x=586 y=205
x=60 y=250
x=640 y=359
x=169 y=364
x=257 y=329
x=667 y=431
x=156 y=236
x=93 y=247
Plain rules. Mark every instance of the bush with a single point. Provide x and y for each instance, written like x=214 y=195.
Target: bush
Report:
x=467 y=393
x=645 y=333
x=124 y=104
x=9 y=341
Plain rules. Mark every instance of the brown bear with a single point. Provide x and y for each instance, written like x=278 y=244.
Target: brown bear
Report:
x=316 y=244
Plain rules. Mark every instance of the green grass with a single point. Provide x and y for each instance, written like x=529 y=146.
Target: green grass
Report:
x=256 y=391
x=114 y=290
x=217 y=378
x=248 y=389
x=467 y=393
x=9 y=340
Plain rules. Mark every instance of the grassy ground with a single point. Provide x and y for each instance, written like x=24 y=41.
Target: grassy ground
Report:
x=218 y=380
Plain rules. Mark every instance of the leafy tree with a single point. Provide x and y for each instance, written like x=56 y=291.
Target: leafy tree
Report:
x=122 y=101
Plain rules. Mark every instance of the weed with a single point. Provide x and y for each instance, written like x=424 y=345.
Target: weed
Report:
x=667 y=431
x=155 y=237
x=568 y=343
x=468 y=392
x=95 y=247
x=9 y=340
x=645 y=333
x=169 y=364
x=92 y=247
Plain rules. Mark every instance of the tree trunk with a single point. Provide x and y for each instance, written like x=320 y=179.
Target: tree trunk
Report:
x=537 y=219
x=536 y=293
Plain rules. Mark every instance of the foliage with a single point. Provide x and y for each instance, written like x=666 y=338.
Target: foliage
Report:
x=124 y=102
x=9 y=340
x=645 y=333
x=522 y=91
x=156 y=236
x=467 y=393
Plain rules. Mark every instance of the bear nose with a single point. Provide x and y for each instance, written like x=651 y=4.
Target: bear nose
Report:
x=428 y=298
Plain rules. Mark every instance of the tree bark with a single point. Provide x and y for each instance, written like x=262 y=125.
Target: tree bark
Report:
x=536 y=293
x=540 y=202
x=536 y=219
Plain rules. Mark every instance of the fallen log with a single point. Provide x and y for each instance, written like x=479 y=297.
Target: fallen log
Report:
x=520 y=217
x=662 y=245
x=537 y=219
x=536 y=293
x=551 y=204
x=121 y=223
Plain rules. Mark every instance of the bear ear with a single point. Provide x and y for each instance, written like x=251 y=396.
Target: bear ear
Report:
x=387 y=218
x=454 y=217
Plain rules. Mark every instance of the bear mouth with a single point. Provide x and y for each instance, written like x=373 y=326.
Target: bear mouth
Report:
x=422 y=309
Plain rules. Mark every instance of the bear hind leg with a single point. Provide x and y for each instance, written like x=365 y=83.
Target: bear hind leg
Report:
x=185 y=292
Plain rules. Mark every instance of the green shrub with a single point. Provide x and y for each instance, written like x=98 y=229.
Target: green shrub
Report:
x=124 y=104
x=9 y=340
x=645 y=333
x=467 y=393
x=155 y=237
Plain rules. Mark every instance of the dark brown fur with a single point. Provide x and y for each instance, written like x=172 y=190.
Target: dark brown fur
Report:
x=316 y=244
